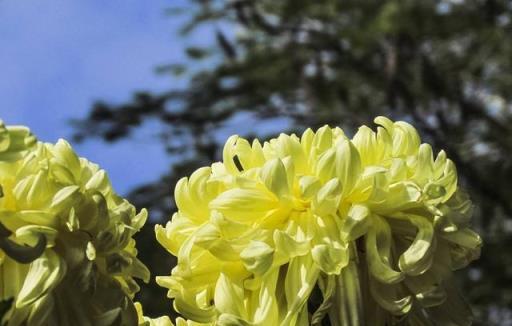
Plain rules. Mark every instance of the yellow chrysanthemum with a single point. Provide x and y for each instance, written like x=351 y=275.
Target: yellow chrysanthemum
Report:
x=162 y=321
x=67 y=256
x=373 y=225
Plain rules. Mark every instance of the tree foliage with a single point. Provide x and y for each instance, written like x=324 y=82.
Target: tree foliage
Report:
x=444 y=66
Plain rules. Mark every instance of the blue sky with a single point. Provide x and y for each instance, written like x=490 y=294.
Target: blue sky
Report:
x=58 y=56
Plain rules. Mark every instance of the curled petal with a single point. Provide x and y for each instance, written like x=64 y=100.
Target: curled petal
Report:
x=229 y=297
x=257 y=257
x=356 y=223
x=300 y=281
x=390 y=298
x=44 y=274
x=418 y=257
x=378 y=249
x=244 y=205
x=23 y=254
x=273 y=175
x=330 y=259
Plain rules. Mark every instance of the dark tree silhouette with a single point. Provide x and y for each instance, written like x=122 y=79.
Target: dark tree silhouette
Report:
x=445 y=66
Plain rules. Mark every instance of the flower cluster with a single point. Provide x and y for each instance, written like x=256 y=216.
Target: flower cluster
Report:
x=371 y=227
x=67 y=256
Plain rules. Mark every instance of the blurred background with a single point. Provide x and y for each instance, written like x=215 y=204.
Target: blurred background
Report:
x=151 y=90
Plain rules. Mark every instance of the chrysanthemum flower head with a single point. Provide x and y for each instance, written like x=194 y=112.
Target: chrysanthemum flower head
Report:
x=67 y=256
x=361 y=231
